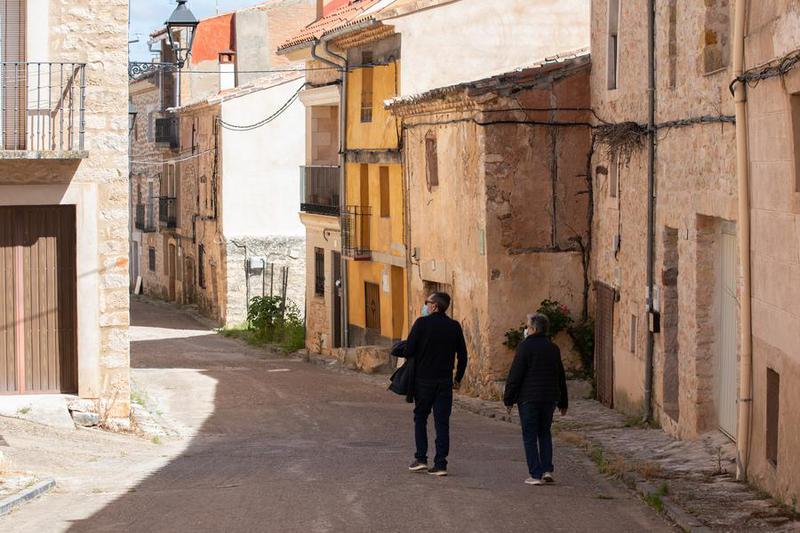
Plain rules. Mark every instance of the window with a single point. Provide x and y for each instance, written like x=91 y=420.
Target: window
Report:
x=613 y=177
x=385 y=194
x=634 y=324
x=773 y=410
x=612 y=58
x=673 y=42
x=151 y=259
x=366 y=86
x=319 y=272
x=201 y=266
x=795 y=105
x=717 y=35
x=431 y=161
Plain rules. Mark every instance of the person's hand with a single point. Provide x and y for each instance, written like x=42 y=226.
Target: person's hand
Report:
x=456 y=385
x=509 y=408
x=563 y=411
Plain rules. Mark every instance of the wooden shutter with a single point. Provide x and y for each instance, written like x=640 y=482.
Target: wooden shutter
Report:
x=604 y=343
x=372 y=306
x=13 y=73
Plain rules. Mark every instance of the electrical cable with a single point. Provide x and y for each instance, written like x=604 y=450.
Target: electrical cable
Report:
x=267 y=120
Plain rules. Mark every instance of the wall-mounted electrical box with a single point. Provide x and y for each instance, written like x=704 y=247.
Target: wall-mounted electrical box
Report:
x=257 y=263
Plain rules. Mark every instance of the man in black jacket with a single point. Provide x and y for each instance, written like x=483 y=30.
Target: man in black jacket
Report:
x=434 y=341
x=537 y=384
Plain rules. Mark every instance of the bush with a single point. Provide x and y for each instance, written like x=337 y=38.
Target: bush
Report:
x=559 y=315
x=273 y=321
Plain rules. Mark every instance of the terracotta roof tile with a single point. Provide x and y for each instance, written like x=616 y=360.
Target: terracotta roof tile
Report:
x=341 y=18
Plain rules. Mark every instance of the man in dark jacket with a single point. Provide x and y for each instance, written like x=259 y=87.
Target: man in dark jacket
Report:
x=434 y=341
x=537 y=384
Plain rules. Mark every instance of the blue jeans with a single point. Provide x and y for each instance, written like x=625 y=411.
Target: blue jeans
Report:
x=438 y=397
x=536 y=420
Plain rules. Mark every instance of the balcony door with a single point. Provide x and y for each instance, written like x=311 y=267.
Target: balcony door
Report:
x=13 y=73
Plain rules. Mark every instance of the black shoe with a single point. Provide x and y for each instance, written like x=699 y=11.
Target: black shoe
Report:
x=417 y=466
x=437 y=471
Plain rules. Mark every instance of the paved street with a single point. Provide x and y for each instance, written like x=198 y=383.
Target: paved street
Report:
x=266 y=443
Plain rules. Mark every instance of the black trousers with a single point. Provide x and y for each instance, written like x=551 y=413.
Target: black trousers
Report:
x=437 y=397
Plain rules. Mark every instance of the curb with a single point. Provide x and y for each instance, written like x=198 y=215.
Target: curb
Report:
x=27 y=495
x=671 y=510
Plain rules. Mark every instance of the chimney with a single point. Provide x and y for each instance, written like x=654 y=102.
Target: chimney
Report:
x=320 y=8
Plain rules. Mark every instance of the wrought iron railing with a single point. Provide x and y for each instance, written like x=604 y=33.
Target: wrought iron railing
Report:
x=319 y=190
x=143 y=219
x=167 y=212
x=42 y=106
x=356 y=232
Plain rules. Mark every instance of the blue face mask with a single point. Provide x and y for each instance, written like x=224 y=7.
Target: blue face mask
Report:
x=425 y=311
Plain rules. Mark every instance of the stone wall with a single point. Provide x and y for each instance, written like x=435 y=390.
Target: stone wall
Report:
x=279 y=252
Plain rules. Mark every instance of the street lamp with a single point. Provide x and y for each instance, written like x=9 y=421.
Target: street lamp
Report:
x=181 y=26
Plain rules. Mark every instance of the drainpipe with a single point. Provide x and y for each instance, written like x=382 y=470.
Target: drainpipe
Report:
x=651 y=201
x=342 y=177
x=745 y=404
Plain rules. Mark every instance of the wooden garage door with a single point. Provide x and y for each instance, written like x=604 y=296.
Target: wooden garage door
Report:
x=38 y=333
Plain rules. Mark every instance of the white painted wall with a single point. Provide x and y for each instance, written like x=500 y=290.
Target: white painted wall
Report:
x=475 y=39
x=260 y=168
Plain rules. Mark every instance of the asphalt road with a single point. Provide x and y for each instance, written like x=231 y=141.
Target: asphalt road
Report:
x=278 y=445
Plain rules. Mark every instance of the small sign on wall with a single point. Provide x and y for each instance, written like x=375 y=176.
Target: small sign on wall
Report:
x=387 y=286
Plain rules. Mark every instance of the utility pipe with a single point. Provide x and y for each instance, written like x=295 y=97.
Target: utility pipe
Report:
x=745 y=404
x=651 y=201
x=342 y=174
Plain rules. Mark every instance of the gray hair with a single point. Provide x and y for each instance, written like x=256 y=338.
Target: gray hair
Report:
x=539 y=323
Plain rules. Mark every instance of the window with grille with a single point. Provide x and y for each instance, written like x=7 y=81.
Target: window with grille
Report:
x=319 y=271
x=201 y=266
x=151 y=259
x=366 y=86
x=431 y=160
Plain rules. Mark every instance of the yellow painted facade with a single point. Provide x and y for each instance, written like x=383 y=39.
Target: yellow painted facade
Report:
x=379 y=187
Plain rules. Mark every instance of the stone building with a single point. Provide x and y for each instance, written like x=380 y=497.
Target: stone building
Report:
x=498 y=210
x=773 y=124
x=226 y=185
x=63 y=202
x=690 y=315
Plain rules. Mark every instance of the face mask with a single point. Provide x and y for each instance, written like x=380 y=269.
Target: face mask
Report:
x=425 y=311
x=526 y=333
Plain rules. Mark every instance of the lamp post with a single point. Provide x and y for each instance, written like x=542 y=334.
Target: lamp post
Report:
x=180 y=27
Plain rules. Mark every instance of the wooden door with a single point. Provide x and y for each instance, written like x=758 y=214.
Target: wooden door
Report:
x=13 y=73
x=728 y=362
x=372 y=306
x=604 y=343
x=188 y=280
x=336 y=259
x=172 y=258
x=38 y=310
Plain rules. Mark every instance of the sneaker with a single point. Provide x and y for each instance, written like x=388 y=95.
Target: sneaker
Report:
x=534 y=481
x=548 y=477
x=417 y=466
x=437 y=471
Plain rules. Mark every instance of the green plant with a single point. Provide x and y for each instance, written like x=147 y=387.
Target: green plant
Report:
x=582 y=335
x=271 y=320
x=559 y=315
x=514 y=337
x=655 y=499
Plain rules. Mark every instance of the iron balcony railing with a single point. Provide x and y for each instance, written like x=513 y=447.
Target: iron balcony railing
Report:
x=168 y=132
x=167 y=212
x=356 y=232
x=319 y=190
x=42 y=106
x=143 y=220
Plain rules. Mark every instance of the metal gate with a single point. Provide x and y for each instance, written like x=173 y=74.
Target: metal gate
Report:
x=38 y=324
x=604 y=343
x=727 y=386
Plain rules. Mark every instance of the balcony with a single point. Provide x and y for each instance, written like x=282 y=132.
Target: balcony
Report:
x=356 y=233
x=143 y=219
x=42 y=110
x=168 y=132
x=167 y=212
x=319 y=190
